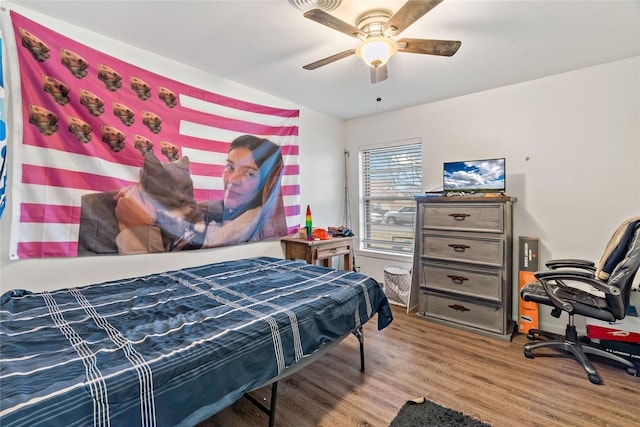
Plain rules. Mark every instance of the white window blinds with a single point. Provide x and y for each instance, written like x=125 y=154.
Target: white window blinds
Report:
x=390 y=177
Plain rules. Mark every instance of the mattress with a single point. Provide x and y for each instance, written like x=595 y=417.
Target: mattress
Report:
x=171 y=348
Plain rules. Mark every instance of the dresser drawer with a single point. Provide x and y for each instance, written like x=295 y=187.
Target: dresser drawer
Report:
x=463 y=248
x=464 y=281
x=474 y=314
x=464 y=217
x=333 y=249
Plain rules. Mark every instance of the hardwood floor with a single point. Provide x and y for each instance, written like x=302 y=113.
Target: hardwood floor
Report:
x=486 y=378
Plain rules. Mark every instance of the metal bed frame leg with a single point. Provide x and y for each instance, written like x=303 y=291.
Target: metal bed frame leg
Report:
x=272 y=406
x=271 y=410
x=360 y=335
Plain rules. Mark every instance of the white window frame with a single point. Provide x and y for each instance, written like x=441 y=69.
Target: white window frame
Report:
x=394 y=239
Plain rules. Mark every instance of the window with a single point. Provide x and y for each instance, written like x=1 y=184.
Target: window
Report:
x=390 y=177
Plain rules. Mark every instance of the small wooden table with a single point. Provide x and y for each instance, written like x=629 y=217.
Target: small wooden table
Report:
x=319 y=250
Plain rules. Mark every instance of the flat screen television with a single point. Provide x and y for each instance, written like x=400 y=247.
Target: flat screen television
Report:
x=475 y=176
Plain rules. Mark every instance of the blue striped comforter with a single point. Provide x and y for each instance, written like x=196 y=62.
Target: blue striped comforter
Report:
x=171 y=348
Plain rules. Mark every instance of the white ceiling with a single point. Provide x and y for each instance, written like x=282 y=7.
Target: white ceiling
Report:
x=264 y=44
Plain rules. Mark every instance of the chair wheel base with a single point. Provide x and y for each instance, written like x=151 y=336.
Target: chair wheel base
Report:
x=528 y=354
x=595 y=379
x=632 y=371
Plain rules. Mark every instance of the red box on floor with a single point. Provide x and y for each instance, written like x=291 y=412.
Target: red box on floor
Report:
x=627 y=329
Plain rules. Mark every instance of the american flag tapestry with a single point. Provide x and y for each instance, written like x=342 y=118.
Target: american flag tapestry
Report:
x=114 y=159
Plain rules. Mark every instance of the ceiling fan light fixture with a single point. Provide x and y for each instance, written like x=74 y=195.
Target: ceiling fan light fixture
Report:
x=375 y=51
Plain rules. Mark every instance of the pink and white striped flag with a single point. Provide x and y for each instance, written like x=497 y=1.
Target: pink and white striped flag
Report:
x=82 y=113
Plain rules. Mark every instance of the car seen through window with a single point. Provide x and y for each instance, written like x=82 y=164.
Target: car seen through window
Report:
x=404 y=215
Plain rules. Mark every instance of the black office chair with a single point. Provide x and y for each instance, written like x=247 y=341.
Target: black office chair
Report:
x=613 y=277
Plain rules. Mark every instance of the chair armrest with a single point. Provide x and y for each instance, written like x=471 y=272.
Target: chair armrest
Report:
x=578 y=276
x=561 y=277
x=562 y=274
x=574 y=263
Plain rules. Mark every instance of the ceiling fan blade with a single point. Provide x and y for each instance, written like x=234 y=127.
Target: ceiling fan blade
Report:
x=409 y=13
x=379 y=74
x=429 y=47
x=322 y=17
x=329 y=59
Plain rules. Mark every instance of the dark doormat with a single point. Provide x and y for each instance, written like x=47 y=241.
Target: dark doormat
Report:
x=424 y=413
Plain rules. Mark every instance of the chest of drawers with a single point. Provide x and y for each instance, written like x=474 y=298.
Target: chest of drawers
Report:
x=462 y=263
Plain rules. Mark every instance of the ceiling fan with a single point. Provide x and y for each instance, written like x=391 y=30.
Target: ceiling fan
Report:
x=376 y=29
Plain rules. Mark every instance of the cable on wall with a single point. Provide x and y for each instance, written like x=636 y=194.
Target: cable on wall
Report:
x=347 y=203
x=347 y=206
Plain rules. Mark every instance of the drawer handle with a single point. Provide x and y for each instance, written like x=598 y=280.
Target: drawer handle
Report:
x=458 y=307
x=459 y=216
x=458 y=247
x=458 y=280
x=333 y=250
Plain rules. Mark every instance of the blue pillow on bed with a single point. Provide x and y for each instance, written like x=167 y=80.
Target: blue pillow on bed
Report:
x=17 y=293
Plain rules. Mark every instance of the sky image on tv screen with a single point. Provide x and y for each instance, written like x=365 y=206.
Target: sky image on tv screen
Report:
x=475 y=175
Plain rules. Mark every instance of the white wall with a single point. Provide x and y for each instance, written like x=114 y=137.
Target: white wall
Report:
x=572 y=144
x=321 y=181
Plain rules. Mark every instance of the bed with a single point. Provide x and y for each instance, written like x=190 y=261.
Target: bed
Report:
x=172 y=348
